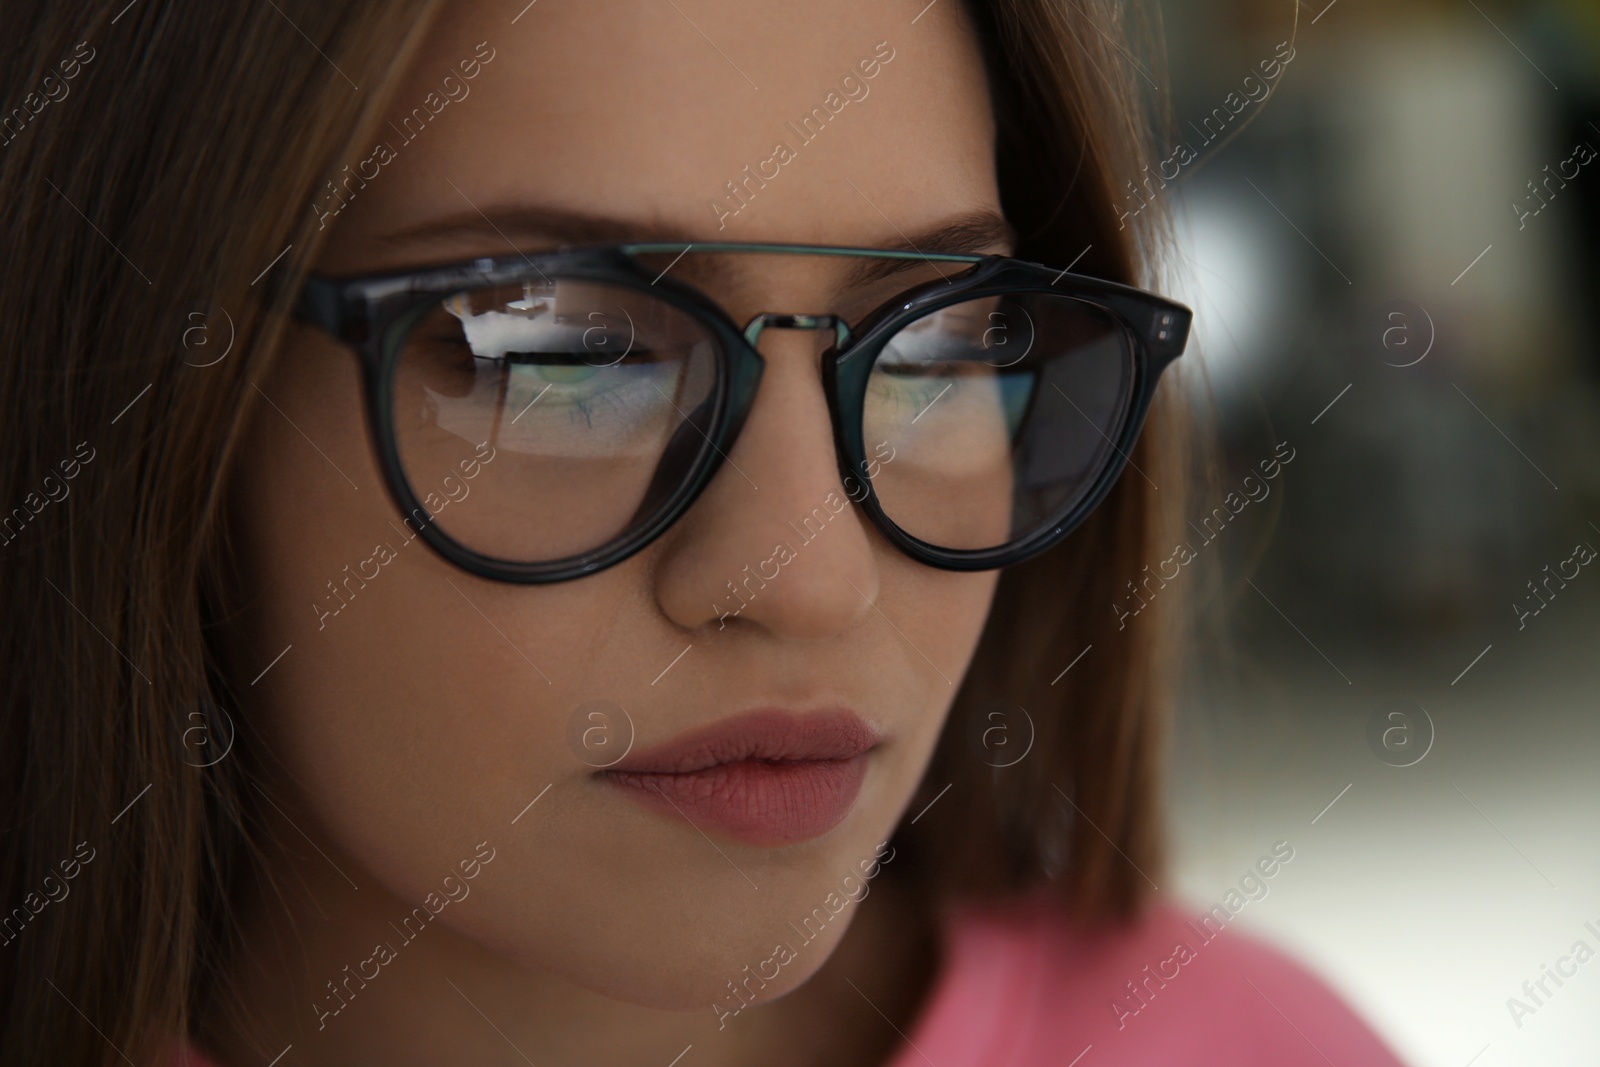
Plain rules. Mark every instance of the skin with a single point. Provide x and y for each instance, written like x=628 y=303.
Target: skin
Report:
x=399 y=735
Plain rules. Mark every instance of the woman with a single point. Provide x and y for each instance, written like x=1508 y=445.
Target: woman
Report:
x=541 y=535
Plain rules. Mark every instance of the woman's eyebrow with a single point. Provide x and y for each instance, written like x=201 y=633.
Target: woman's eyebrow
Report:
x=527 y=227
x=981 y=232
x=532 y=225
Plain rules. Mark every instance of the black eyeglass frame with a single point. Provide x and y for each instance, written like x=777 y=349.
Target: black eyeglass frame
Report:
x=374 y=315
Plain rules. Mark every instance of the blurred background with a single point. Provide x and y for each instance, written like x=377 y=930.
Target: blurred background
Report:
x=1395 y=264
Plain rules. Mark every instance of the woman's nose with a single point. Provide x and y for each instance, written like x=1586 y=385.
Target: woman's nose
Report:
x=775 y=541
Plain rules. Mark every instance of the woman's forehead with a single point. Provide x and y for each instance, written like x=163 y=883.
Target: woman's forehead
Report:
x=716 y=119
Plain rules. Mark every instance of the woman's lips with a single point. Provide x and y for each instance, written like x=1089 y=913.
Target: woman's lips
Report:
x=768 y=778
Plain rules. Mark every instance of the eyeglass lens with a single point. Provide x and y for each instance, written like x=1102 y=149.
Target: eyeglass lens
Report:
x=544 y=420
x=1000 y=413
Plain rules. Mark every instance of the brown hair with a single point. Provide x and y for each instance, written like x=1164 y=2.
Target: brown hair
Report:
x=142 y=197
x=1081 y=811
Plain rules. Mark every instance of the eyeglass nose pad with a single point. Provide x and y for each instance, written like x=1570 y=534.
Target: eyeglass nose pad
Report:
x=842 y=339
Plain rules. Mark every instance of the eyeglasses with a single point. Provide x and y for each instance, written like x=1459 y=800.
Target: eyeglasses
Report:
x=540 y=418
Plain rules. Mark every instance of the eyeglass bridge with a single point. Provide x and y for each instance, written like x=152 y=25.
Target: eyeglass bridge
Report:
x=840 y=328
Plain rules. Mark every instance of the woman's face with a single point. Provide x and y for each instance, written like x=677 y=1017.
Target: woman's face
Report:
x=419 y=710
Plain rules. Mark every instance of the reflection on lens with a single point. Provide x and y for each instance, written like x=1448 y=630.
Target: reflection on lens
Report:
x=1001 y=413
x=569 y=403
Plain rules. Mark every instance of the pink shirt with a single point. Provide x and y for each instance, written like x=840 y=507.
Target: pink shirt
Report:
x=1019 y=989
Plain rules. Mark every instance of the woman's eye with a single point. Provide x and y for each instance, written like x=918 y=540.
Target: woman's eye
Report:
x=913 y=371
x=910 y=385
x=563 y=374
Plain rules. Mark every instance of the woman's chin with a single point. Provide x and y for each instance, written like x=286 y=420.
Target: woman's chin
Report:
x=723 y=990
x=696 y=976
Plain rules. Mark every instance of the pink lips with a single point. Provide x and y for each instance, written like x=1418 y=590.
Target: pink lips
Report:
x=768 y=778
